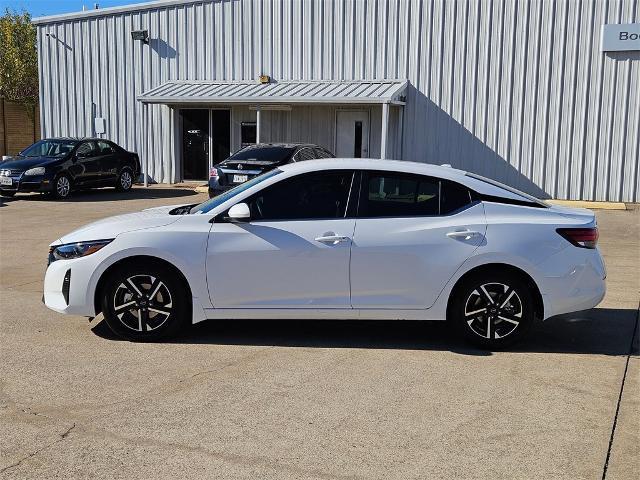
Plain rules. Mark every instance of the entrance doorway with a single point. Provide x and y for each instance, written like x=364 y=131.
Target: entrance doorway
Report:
x=206 y=141
x=352 y=133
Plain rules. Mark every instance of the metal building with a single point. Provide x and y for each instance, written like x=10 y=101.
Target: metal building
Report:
x=522 y=91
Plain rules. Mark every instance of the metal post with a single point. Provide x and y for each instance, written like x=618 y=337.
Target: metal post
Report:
x=257 y=123
x=145 y=122
x=385 y=130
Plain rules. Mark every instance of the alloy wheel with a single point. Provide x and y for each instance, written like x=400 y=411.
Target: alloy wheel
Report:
x=126 y=180
x=142 y=303
x=63 y=187
x=493 y=310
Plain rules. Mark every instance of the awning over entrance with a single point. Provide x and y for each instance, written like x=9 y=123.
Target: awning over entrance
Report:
x=275 y=95
x=283 y=92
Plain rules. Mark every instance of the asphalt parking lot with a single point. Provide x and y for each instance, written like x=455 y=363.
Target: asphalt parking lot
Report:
x=286 y=399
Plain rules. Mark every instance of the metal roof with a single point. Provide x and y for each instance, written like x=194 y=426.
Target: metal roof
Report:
x=284 y=92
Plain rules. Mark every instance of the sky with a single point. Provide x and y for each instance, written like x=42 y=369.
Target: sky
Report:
x=38 y=8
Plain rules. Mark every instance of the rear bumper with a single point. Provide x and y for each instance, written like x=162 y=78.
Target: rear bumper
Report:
x=576 y=281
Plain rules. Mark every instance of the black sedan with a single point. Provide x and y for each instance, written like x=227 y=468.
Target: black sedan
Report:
x=60 y=165
x=253 y=160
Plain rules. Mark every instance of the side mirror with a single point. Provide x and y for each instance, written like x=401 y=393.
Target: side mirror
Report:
x=239 y=213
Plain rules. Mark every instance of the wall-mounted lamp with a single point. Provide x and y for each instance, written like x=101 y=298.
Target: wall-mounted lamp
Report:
x=142 y=35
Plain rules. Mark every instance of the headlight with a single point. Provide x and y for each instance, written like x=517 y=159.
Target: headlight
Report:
x=75 y=250
x=35 y=171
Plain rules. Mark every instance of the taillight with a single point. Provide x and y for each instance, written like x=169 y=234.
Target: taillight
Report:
x=213 y=172
x=580 y=237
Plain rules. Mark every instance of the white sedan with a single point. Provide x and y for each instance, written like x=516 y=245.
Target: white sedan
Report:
x=336 y=239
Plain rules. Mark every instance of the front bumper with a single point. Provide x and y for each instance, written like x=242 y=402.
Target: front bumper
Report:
x=67 y=286
x=35 y=183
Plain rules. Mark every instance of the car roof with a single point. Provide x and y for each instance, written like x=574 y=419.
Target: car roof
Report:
x=376 y=164
x=79 y=139
x=475 y=182
x=284 y=145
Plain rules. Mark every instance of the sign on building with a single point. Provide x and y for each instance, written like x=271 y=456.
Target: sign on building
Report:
x=621 y=37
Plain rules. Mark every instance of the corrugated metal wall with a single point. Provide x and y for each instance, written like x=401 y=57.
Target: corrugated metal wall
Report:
x=517 y=90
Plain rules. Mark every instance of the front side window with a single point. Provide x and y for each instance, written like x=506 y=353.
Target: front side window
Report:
x=389 y=194
x=317 y=195
x=87 y=149
x=49 y=148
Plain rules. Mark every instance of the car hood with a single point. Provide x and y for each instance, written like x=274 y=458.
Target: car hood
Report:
x=24 y=163
x=111 y=227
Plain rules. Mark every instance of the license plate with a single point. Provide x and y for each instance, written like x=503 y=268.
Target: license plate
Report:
x=8 y=181
x=240 y=178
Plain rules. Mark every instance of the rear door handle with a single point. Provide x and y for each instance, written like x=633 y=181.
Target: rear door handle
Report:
x=332 y=239
x=466 y=234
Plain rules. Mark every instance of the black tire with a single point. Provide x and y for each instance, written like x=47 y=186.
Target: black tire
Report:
x=159 y=301
x=492 y=310
x=62 y=186
x=7 y=193
x=124 y=182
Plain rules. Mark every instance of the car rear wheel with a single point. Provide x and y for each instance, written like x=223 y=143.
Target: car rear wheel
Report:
x=145 y=303
x=62 y=186
x=492 y=310
x=125 y=180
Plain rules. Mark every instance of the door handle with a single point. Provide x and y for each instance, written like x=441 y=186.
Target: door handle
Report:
x=466 y=234
x=332 y=239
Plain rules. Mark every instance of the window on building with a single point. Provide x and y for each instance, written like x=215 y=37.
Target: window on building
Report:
x=248 y=133
x=309 y=196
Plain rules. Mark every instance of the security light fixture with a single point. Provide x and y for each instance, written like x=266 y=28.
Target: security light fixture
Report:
x=142 y=35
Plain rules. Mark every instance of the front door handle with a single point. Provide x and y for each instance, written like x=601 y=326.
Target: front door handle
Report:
x=332 y=239
x=466 y=234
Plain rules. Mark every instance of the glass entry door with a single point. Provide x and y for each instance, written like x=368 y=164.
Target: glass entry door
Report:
x=195 y=144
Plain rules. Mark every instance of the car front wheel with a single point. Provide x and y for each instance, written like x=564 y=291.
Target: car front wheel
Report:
x=125 y=180
x=62 y=186
x=145 y=303
x=493 y=310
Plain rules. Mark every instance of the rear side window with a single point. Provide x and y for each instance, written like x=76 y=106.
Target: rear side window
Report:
x=304 y=197
x=105 y=148
x=453 y=196
x=388 y=194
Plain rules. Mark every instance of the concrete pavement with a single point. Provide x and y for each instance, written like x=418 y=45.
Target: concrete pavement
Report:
x=286 y=399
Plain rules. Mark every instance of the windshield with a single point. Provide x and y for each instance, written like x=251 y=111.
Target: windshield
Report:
x=49 y=148
x=264 y=153
x=223 y=197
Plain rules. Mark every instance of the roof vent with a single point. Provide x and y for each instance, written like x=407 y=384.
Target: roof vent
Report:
x=446 y=165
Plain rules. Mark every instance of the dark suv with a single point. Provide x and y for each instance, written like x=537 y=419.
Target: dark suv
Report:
x=253 y=160
x=60 y=165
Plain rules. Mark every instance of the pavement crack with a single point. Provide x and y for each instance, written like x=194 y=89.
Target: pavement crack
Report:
x=62 y=437
x=624 y=378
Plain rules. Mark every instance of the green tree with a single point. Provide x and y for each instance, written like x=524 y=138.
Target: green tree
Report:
x=18 y=59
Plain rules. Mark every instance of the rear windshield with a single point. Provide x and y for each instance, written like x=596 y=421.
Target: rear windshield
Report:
x=515 y=191
x=49 y=148
x=264 y=153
